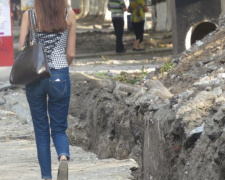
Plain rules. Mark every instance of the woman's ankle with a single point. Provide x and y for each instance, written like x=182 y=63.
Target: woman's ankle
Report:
x=63 y=157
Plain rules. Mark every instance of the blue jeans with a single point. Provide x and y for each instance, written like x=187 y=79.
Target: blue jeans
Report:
x=49 y=104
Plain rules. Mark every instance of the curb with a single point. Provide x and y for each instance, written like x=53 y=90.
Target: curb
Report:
x=7 y=87
x=129 y=52
x=113 y=63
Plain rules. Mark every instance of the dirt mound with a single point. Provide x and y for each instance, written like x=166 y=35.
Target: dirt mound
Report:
x=171 y=136
x=192 y=141
x=97 y=41
x=205 y=59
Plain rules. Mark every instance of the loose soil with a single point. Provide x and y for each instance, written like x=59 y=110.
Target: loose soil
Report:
x=99 y=37
x=191 y=63
x=97 y=41
x=178 y=137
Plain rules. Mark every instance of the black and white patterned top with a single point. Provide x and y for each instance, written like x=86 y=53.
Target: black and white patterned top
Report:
x=55 y=45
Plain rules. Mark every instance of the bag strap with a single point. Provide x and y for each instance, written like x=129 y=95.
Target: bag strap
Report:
x=30 y=28
x=31 y=24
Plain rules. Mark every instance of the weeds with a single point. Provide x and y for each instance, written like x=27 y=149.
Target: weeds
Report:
x=144 y=72
x=168 y=65
x=131 y=78
x=100 y=75
x=105 y=58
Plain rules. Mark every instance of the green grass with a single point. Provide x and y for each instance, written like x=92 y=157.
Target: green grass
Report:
x=131 y=78
x=100 y=75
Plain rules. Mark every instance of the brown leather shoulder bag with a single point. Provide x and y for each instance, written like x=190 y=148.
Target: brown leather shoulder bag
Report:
x=30 y=62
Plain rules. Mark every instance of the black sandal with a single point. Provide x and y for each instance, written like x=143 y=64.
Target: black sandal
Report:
x=135 y=49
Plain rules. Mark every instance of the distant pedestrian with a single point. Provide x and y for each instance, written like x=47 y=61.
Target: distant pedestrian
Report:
x=12 y=18
x=49 y=98
x=117 y=7
x=19 y=13
x=15 y=13
x=137 y=8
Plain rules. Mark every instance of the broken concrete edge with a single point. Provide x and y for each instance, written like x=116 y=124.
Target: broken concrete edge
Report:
x=7 y=87
x=4 y=78
x=129 y=52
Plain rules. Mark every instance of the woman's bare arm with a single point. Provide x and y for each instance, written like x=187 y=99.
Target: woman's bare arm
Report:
x=71 y=42
x=24 y=29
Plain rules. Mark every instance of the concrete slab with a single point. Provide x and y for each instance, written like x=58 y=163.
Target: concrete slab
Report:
x=4 y=77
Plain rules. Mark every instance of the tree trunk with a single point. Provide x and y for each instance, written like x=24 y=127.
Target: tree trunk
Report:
x=84 y=8
x=93 y=8
x=161 y=15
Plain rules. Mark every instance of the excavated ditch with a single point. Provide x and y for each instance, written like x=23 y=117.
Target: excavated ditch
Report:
x=174 y=131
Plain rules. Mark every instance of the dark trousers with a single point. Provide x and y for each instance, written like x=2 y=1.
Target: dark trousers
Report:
x=139 y=30
x=118 y=24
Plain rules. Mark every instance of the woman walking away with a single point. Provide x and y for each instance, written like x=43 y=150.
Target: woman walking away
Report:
x=49 y=98
x=137 y=9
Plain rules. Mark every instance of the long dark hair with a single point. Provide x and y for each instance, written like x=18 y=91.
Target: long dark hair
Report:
x=51 y=15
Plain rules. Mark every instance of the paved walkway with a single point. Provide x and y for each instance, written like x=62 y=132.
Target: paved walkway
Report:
x=19 y=162
x=18 y=150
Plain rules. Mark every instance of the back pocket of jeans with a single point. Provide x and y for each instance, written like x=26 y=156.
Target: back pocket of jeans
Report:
x=59 y=88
